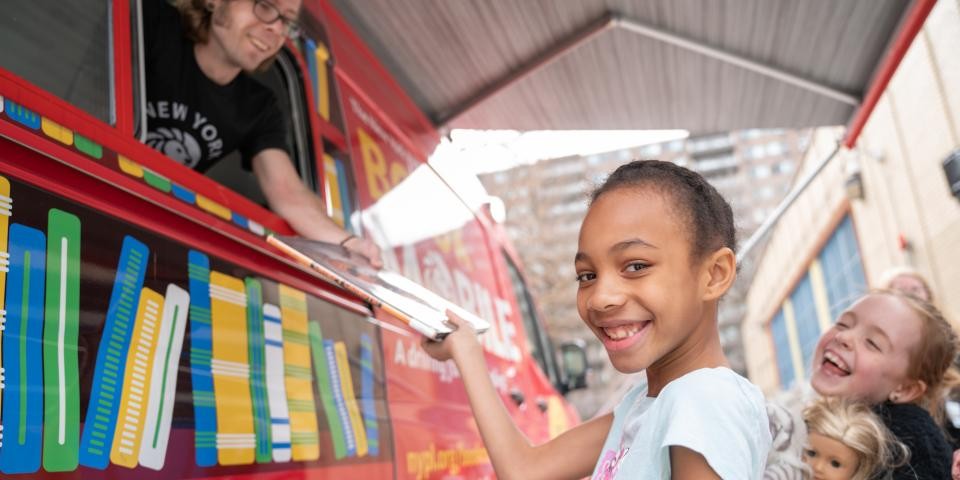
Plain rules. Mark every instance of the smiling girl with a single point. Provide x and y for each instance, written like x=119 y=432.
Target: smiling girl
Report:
x=891 y=350
x=655 y=255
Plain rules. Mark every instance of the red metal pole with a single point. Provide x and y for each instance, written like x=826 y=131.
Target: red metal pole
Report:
x=911 y=26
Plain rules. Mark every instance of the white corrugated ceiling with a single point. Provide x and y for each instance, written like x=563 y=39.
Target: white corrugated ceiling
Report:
x=447 y=52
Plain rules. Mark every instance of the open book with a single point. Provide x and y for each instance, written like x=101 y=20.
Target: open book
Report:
x=410 y=302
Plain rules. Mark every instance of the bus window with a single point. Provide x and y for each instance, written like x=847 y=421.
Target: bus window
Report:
x=339 y=190
x=315 y=48
x=74 y=63
x=338 y=182
x=537 y=341
x=283 y=79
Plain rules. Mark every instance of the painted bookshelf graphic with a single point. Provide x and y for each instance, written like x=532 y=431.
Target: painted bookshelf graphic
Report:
x=136 y=387
x=6 y=210
x=350 y=397
x=61 y=439
x=258 y=384
x=253 y=364
x=23 y=342
x=104 y=404
x=367 y=406
x=325 y=389
x=340 y=404
x=163 y=378
x=304 y=436
x=276 y=384
x=230 y=366
x=201 y=348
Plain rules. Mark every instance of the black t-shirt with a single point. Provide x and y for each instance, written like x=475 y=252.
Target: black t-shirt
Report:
x=190 y=118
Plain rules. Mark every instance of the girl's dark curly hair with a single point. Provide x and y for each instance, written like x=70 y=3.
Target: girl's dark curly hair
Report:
x=708 y=217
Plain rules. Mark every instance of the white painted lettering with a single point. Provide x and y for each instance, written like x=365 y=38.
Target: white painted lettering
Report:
x=179 y=111
x=198 y=120
x=399 y=357
x=163 y=107
x=208 y=132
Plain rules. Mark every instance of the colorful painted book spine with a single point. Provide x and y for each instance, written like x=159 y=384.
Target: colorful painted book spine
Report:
x=61 y=440
x=6 y=210
x=136 y=380
x=346 y=201
x=258 y=383
x=102 y=410
x=331 y=189
x=329 y=353
x=304 y=436
x=201 y=348
x=276 y=383
x=22 y=352
x=163 y=378
x=231 y=370
x=367 y=402
x=326 y=391
x=350 y=397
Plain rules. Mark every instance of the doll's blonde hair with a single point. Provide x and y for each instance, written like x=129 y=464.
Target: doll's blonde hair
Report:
x=856 y=426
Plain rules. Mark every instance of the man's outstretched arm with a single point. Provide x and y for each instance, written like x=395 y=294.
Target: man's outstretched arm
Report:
x=301 y=208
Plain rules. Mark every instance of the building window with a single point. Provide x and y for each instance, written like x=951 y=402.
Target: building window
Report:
x=775 y=149
x=761 y=171
x=651 y=151
x=756 y=151
x=781 y=343
x=783 y=167
x=842 y=268
x=805 y=316
x=835 y=278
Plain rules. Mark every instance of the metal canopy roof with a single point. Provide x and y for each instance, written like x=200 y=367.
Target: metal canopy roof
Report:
x=700 y=65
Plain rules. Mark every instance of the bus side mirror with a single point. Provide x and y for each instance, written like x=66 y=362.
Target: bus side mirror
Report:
x=574 y=360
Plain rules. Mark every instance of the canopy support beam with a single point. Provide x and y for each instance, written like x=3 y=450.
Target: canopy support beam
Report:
x=737 y=60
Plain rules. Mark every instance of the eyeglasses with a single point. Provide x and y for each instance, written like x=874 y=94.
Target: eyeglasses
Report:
x=267 y=12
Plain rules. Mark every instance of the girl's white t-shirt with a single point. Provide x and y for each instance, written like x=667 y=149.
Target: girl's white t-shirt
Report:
x=712 y=411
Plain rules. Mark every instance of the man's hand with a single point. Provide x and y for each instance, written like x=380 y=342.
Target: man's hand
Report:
x=301 y=208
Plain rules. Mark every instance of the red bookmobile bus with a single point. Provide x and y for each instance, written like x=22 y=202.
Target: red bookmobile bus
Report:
x=151 y=332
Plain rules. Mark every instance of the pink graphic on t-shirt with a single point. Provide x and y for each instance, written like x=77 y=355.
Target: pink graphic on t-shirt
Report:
x=610 y=464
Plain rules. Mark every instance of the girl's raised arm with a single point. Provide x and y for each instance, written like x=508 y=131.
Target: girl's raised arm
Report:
x=571 y=455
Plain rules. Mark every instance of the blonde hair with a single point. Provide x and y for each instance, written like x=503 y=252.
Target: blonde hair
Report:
x=856 y=426
x=931 y=359
x=886 y=280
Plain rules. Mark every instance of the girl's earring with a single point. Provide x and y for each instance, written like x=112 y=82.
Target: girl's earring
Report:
x=894 y=398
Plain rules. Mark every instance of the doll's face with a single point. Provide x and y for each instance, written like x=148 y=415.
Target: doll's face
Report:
x=829 y=459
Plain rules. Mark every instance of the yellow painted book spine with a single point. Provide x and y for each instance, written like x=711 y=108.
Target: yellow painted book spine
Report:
x=298 y=377
x=136 y=380
x=230 y=366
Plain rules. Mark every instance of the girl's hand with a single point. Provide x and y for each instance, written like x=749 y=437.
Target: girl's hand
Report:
x=461 y=342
